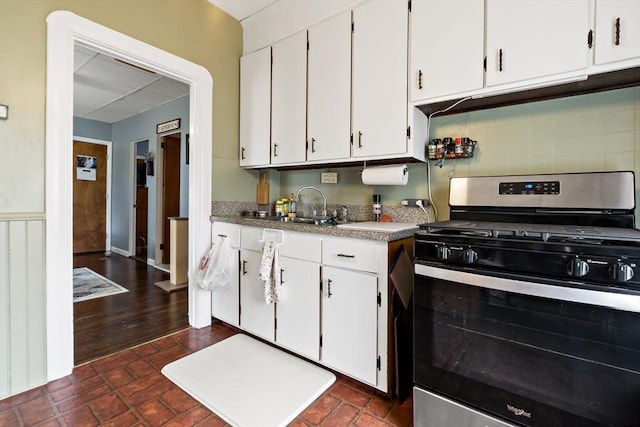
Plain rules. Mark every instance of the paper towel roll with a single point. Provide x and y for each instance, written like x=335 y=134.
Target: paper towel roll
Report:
x=386 y=175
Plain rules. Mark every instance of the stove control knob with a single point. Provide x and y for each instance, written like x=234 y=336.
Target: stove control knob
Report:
x=443 y=253
x=470 y=256
x=578 y=267
x=620 y=272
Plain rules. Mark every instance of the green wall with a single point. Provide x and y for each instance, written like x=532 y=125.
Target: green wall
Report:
x=595 y=132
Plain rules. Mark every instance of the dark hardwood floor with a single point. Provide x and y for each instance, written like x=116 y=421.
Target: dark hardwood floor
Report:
x=106 y=325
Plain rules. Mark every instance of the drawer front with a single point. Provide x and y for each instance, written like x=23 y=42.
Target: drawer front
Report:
x=224 y=229
x=250 y=238
x=350 y=253
x=303 y=246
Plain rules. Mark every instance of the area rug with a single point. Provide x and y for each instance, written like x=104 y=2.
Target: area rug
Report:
x=248 y=383
x=87 y=284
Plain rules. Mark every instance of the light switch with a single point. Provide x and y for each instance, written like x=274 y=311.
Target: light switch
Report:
x=4 y=112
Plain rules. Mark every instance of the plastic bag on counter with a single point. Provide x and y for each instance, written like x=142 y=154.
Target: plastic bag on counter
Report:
x=216 y=267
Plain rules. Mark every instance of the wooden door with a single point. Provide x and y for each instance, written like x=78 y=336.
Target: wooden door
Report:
x=171 y=190
x=89 y=197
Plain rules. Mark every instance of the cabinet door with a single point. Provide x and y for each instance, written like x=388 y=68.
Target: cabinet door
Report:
x=447 y=48
x=379 y=78
x=329 y=89
x=289 y=99
x=530 y=39
x=298 y=315
x=255 y=316
x=225 y=302
x=617 y=30
x=255 y=108
x=349 y=323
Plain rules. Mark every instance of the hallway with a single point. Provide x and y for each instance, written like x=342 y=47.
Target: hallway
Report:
x=103 y=326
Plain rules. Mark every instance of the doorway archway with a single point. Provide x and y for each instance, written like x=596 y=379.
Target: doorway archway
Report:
x=64 y=30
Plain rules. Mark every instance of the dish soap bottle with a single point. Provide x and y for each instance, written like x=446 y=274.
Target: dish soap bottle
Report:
x=292 y=205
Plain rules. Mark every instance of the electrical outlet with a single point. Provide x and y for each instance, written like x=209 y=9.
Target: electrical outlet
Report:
x=329 y=178
x=412 y=202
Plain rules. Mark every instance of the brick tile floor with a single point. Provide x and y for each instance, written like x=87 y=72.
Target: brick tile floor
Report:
x=127 y=389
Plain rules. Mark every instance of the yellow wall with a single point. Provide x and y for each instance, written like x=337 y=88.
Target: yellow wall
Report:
x=194 y=29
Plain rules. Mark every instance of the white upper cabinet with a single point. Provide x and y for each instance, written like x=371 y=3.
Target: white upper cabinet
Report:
x=447 y=48
x=255 y=111
x=617 y=31
x=379 y=78
x=289 y=99
x=535 y=39
x=329 y=89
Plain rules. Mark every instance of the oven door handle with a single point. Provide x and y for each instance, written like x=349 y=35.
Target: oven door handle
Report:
x=610 y=299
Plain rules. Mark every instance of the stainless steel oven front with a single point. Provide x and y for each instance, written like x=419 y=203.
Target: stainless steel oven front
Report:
x=504 y=349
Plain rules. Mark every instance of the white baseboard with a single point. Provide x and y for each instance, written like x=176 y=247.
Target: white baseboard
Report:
x=120 y=251
x=151 y=262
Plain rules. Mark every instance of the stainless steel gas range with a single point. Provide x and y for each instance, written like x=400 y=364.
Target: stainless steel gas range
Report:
x=527 y=304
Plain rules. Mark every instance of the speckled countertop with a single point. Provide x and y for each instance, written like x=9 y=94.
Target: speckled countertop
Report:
x=330 y=230
x=225 y=211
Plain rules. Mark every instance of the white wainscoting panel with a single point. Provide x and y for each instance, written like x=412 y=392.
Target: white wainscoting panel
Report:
x=22 y=306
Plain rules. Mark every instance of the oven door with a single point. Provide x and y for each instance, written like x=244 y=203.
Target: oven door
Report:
x=531 y=353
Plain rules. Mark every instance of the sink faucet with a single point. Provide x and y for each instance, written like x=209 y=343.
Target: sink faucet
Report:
x=324 y=199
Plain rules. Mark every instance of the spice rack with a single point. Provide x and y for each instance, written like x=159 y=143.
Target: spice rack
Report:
x=450 y=148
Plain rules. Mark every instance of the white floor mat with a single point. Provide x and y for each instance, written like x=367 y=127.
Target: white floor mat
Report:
x=248 y=383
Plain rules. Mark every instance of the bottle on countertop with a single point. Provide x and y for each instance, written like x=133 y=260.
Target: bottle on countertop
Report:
x=292 y=205
x=377 y=207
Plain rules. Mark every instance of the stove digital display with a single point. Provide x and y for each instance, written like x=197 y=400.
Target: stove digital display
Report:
x=530 y=188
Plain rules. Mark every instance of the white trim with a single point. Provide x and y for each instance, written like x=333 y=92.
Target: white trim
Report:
x=120 y=251
x=109 y=177
x=64 y=29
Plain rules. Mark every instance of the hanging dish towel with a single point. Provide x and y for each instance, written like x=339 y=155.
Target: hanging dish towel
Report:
x=270 y=273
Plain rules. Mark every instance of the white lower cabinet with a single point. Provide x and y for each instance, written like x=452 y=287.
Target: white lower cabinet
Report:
x=335 y=302
x=226 y=301
x=298 y=315
x=350 y=323
x=256 y=316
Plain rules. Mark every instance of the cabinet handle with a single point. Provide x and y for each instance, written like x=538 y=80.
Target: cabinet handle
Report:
x=275 y=150
x=313 y=145
x=222 y=235
x=329 y=288
x=419 y=79
x=359 y=139
x=346 y=256
x=242 y=154
x=617 y=42
x=500 y=61
x=244 y=267
x=281 y=276
x=590 y=39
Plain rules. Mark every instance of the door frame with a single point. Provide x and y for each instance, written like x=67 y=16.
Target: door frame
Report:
x=109 y=155
x=64 y=30
x=133 y=198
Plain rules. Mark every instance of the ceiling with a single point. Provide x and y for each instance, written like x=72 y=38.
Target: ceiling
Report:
x=241 y=9
x=109 y=90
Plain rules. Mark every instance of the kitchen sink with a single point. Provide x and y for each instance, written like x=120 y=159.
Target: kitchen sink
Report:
x=322 y=221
